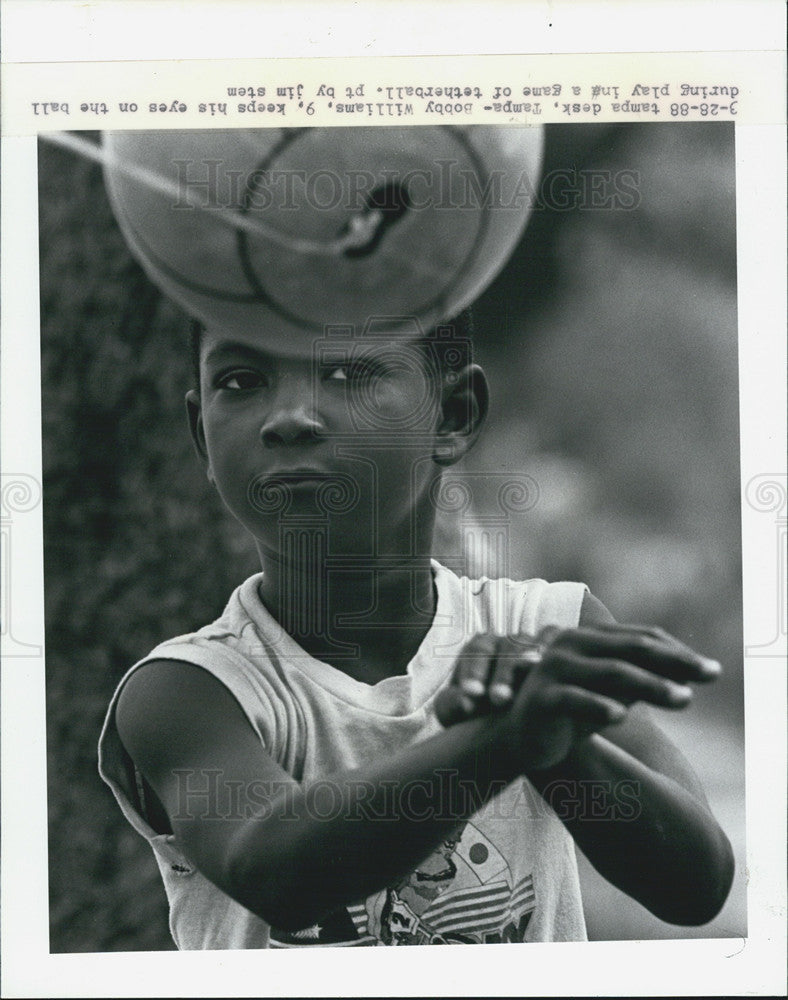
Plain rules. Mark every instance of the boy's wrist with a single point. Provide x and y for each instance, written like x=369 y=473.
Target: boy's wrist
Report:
x=510 y=747
x=495 y=738
x=541 y=759
x=574 y=761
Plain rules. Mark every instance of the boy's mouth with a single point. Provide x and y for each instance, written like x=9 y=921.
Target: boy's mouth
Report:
x=333 y=492
x=295 y=477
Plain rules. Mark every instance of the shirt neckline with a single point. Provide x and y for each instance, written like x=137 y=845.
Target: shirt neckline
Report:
x=402 y=694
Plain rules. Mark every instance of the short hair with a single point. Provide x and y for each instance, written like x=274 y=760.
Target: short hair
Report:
x=447 y=346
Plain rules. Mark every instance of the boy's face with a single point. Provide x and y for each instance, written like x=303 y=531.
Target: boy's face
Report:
x=348 y=437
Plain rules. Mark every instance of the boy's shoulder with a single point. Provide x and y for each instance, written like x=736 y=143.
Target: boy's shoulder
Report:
x=243 y=622
x=501 y=605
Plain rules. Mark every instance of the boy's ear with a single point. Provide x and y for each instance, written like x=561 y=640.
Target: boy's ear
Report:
x=465 y=402
x=194 y=415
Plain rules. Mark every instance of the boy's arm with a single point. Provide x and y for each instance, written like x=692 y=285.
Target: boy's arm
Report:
x=632 y=802
x=306 y=848
x=643 y=831
x=637 y=733
x=319 y=845
x=691 y=880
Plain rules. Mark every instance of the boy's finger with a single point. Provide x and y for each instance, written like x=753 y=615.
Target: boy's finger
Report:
x=515 y=656
x=588 y=709
x=502 y=681
x=452 y=706
x=652 y=630
x=660 y=635
x=653 y=651
x=616 y=679
x=473 y=666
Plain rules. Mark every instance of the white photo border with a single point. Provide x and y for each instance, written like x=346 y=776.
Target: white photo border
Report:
x=691 y=967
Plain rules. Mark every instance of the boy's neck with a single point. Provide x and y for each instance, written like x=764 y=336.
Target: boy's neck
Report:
x=368 y=622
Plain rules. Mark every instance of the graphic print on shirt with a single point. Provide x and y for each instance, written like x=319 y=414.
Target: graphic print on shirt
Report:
x=462 y=893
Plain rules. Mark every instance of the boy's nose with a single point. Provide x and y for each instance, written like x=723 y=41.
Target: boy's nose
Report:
x=288 y=425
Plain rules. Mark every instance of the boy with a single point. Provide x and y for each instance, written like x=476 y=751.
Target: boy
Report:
x=365 y=748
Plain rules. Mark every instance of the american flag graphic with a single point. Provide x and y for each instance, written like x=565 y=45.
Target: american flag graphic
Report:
x=478 y=914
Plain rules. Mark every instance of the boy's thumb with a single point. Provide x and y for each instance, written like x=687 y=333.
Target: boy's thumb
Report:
x=450 y=707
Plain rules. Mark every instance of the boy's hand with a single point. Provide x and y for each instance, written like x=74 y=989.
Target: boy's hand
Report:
x=567 y=683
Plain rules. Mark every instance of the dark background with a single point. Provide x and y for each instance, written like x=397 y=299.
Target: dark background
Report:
x=610 y=343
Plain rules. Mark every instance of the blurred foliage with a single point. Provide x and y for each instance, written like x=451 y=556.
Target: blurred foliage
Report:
x=610 y=342
x=625 y=408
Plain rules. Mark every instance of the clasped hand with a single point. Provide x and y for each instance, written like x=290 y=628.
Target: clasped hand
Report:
x=557 y=688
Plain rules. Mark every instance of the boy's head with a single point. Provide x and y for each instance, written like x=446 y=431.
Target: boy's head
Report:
x=358 y=431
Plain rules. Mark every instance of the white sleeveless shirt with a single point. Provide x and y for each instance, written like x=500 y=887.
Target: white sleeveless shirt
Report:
x=508 y=873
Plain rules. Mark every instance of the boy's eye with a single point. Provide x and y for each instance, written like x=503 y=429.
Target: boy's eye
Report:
x=354 y=371
x=240 y=379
